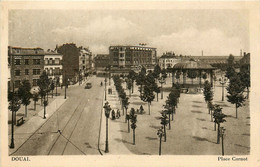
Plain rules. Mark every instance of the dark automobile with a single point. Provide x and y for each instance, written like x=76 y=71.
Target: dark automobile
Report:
x=88 y=86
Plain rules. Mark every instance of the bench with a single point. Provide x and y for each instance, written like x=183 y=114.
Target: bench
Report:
x=20 y=121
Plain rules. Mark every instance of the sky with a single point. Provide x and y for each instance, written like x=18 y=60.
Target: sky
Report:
x=186 y=32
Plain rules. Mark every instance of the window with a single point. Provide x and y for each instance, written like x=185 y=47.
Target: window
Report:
x=121 y=55
x=17 y=61
x=36 y=61
x=57 y=60
x=35 y=82
x=26 y=61
x=17 y=72
x=50 y=61
x=46 y=61
x=17 y=83
x=26 y=71
x=83 y=61
x=36 y=71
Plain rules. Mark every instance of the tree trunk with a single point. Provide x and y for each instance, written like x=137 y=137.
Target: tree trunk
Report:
x=47 y=96
x=133 y=136
x=164 y=133
x=173 y=111
x=130 y=92
x=132 y=86
x=52 y=93
x=247 y=93
x=218 y=134
x=125 y=115
x=208 y=106
x=236 y=111
x=128 y=126
x=25 y=115
x=41 y=100
x=157 y=96
x=149 y=108
x=211 y=115
x=14 y=117
x=34 y=105
x=169 y=120
x=160 y=145
x=214 y=126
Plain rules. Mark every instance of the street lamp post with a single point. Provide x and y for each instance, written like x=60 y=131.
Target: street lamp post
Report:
x=160 y=133
x=45 y=102
x=12 y=137
x=222 y=82
x=107 y=113
x=222 y=131
x=106 y=88
x=65 y=95
x=161 y=80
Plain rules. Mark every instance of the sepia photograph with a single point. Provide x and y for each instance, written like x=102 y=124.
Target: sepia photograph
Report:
x=130 y=81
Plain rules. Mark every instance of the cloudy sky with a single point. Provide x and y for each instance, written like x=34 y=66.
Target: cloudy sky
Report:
x=187 y=32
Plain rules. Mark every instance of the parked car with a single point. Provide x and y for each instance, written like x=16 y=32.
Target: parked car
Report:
x=88 y=86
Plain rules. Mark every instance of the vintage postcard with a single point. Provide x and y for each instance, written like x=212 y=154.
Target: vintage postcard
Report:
x=99 y=83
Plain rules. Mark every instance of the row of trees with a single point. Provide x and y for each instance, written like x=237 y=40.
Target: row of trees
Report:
x=24 y=95
x=238 y=82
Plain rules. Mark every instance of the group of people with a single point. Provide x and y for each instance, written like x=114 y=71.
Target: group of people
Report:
x=115 y=115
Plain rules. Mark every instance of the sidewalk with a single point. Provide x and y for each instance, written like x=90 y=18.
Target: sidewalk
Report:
x=115 y=141
x=25 y=131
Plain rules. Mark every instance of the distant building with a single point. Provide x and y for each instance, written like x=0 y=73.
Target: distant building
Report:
x=168 y=60
x=212 y=60
x=70 y=54
x=85 y=61
x=131 y=56
x=53 y=65
x=101 y=61
x=25 y=64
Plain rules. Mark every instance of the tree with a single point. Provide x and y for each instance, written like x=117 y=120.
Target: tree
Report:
x=25 y=94
x=235 y=91
x=244 y=75
x=52 y=86
x=35 y=99
x=164 y=123
x=14 y=104
x=140 y=79
x=43 y=84
x=208 y=93
x=192 y=74
x=133 y=118
x=218 y=119
x=157 y=71
x=125 y=103
x=177 y=76
x=230 y=67
x=204 y=76
x=164 y=74
x=132 y=75
x=129 y=85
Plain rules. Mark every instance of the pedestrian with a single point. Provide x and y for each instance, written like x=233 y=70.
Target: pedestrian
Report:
x=113 y=115
x=117 y=114
x=141 y=109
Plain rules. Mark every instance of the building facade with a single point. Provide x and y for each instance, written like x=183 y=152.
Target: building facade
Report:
x=70 y=54
x=53 y=65
x=168 y=60
x=85 y=61
x=25 y=64
x=131 y=56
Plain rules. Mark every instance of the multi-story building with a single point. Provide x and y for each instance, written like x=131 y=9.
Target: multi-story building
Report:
x=85 y=61
x=168 y=60
x=132 y=56
x=101 y=61
x=25 y=64
x=70 y=54
x=53 y=65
